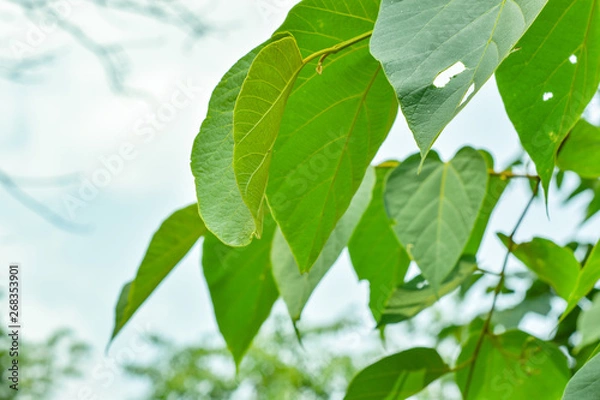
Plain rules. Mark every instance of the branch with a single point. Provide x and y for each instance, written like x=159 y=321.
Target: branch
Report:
x=486 y=326
x=38 y=207
x=113 y=57
x=504 y=175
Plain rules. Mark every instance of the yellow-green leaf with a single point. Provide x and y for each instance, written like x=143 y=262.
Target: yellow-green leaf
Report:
x=257 y=117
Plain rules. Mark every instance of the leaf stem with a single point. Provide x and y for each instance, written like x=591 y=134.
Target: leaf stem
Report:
x=486 y=325
x=323 y=54
x=504 y=175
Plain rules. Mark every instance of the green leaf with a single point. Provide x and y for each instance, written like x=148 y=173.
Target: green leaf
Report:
x=435 y=210
x=553 y=264
x=595 y=351
x=333 y=125
x=398 y=376
x=257 y=117
x=495 y=189
x=171 y=242
x=551 y=77
x=512 y=366
x=588 y=324
x=538 y=299
x=376 y=253
x=438 y=53
x=588 y=277
x=585 y=384
x=580 y=152
x=241 y=287
x=219 y=199
x=296 y=287
x=412 y=297
x=587 y=186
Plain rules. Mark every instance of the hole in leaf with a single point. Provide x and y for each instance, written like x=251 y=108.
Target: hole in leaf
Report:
x=444 y=77
x=573 y=59
x=421 y=285
x=547 y=96
x=467 y=95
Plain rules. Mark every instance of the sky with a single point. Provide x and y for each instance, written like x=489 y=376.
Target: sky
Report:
x=63 y=119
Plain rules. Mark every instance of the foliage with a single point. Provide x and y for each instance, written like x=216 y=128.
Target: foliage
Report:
x=44 y=365
x=284 y=184
x=275 y=368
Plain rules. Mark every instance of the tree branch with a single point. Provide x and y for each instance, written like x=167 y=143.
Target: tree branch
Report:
x=486 y=326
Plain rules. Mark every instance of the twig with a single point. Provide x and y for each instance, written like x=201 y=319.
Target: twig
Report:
x=497 y=290
x=37 y=207
x=504 y=175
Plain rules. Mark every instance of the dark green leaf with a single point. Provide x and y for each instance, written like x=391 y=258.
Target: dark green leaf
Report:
x=580 y=152
x=296 y=287
x=398 y=376
x=434 y=211
x=438 y=53
x=551 y=77
x=171 y=242
x=333 y=125
x=415 y=296
x=376 y=253
x=512 y=366
x=241 y=287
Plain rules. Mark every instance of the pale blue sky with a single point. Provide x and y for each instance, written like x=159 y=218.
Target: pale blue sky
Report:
x=66 y=119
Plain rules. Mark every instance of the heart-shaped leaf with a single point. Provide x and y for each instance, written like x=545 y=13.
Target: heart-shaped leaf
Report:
x=434 y=211
x=551 y=77
x=438 y=53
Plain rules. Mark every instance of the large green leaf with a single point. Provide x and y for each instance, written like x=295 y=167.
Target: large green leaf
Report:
x=241 y=287
x=376 y=253
x=434 y=211
x=436 y=53
x=257 y=117
x=551 y=77
x=296 y=287
x=512 y=366
x=588 y=324
x=398 y=376
x=580 y=152
x=496 y=186
x=219 y=199
x=412 y=297
x=333 y=125
x=553 y=264
x=585 y=384
x=588 y=277
x=171 y=242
